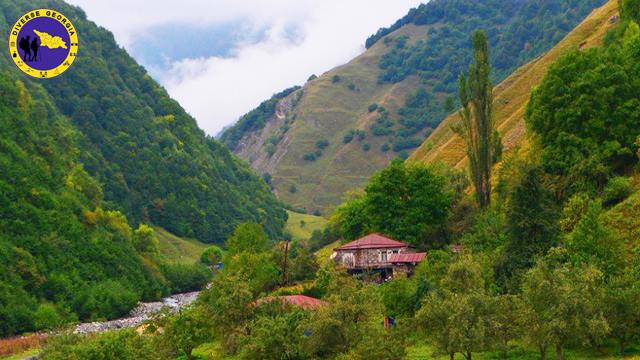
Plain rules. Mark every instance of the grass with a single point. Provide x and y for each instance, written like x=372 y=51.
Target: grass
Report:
x=211 y=350
x=22 y=355
x=328 y=111
x=324 y=253
x=301 y=226
x=16 y=346
x=177 y=249
x=512 y=95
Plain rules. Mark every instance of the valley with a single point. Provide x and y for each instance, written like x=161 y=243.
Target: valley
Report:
x=467 y=187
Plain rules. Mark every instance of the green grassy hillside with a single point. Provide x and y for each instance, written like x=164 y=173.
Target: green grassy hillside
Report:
x=329 y=137
x=176 y=249
x=301 y=226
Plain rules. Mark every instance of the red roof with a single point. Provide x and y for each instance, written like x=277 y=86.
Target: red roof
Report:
x=407 y=258
x=373 y=241
x=302 y=301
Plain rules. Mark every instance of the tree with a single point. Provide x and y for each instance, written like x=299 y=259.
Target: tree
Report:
x=622 y=310
x=477 y=128
x=398 y=297
x=563 y=303
x=630 y=10
x=211 y=256
x=145 y=239
x=276 y=337
x=229 y=305
x=505 y=323
x=407 y=202
x=458 y=318
x=532 y=226
x=188 y=329
x=592 y=242
x=247 y=237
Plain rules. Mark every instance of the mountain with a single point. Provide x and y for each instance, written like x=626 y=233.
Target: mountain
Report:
x=320 y=141
x=156 y=165
x=512 y=95
x=87 y=157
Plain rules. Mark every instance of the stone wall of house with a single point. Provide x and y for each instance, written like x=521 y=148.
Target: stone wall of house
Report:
x=368 y=258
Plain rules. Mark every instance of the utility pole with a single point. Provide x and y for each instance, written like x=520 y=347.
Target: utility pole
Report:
x=285 y=276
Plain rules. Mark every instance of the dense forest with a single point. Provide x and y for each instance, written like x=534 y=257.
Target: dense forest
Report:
x=155 y=164
x=88 y=160
x=518 y=31
x=549 y=263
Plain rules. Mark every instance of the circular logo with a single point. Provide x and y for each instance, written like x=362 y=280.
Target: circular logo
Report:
x=43 y=43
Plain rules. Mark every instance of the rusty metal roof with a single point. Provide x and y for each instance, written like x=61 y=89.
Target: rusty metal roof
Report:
x=407 y=258
x=373 y=241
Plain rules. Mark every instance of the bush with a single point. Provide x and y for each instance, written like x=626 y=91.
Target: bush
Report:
x=336 y=79
x=373 y=107
x=186 y=277
x=310 y=157
x=121 y=345
x=293 y=189
x=109 y=299
x=348 y=137
x=618 y=189
x=48 y=317
x=385 y=148
x=366 y=147
x=322 y=144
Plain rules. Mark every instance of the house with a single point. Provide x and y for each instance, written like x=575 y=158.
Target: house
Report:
x=376 y=253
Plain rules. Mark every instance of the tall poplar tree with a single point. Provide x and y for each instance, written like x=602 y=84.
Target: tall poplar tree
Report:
x=477 y=127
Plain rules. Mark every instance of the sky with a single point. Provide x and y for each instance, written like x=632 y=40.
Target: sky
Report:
x=222 y=58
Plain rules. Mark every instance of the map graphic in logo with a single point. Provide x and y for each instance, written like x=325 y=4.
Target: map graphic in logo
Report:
x=43 y=43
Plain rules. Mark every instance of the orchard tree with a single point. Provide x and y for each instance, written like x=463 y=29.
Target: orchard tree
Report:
x=477 y=127
x=563 y=303
x=458 y=317
x=188 y=329
x=622 y=310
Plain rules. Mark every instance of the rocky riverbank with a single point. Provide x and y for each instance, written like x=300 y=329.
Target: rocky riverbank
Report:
x=139 y=315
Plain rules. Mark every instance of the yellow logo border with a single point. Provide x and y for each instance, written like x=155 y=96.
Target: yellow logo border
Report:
x=73 y=46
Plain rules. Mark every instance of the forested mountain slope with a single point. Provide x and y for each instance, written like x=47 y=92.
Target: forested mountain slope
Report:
x=156 y=165
x=57 y=246
x=512 y=95
x=327 y=138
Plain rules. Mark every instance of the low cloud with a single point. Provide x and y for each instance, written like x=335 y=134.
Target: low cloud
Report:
x=300 y=38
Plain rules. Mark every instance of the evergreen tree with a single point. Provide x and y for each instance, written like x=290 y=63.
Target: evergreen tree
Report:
x=477 y=128
x=532 y=225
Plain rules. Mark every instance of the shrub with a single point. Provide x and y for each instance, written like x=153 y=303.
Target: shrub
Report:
x=322 y=144
x=312 y=77
x=385 y=148
x=618 y=189
x=108 y=299
x=293 y=189
x=336 y=79
x=351 y=87
x=373 y=107
x=186 y=277
x=366 y=147
x=310 y=157
x=348 y=137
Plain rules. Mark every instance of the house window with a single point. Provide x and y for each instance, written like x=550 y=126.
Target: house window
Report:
x=383 y=256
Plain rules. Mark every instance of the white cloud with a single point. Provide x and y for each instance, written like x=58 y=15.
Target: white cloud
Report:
x=303 y=37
